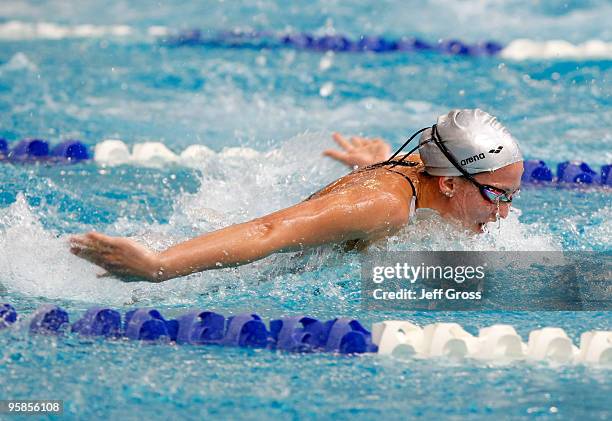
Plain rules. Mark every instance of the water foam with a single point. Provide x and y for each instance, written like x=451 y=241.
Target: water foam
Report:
x=37 y=262
x=431 y=232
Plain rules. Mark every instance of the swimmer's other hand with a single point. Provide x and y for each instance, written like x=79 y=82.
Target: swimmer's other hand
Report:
x=122 y=257
x=359 y=152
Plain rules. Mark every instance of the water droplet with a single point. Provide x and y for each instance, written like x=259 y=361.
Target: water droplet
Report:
x=326 y=90
x=326 y=61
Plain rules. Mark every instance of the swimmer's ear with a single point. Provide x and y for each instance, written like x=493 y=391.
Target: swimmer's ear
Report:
x=447 y=185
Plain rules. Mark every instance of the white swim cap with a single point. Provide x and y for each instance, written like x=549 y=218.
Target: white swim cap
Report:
x=476 y=140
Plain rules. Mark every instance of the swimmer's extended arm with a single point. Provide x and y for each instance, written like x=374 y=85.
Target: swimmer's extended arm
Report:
x=335 y=218
x=359 y=152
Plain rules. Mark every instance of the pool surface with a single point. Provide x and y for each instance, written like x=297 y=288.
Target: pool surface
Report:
x=282 y=104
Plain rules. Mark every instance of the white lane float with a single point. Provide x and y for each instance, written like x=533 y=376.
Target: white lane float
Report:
x=112 y=152
x=448 y=340
x=595 y=347
x=398 y=338
x=196 y=153
x=500 y=342
x=550 y=343
x=153 y=154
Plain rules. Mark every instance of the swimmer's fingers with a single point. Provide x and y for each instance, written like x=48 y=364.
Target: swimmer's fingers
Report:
x=87 y=251
x=342 y=142
x=338 y=156
x=359 y=142
x=102 y=241
x=93 y=240
x=89 y=248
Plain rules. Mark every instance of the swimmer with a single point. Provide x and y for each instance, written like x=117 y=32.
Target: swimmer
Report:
x=468 y=169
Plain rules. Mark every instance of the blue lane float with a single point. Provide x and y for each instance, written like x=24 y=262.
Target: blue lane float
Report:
x=536 y=171
x=297 y=334
x=71 y=150
x=99 y=321
x=606 y=176
x=8 y=315
x=39 y=150
x=576 y=172
x=200 y=327
x=29 y=149
x=348 y=336
x=327 y=42
x=245 y=330
x=3 y=148
x=49 y=319
x=149 y=325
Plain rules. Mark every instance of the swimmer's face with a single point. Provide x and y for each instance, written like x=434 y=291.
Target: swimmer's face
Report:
x=471 y=208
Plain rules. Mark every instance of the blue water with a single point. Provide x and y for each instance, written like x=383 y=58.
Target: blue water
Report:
x=272 y=101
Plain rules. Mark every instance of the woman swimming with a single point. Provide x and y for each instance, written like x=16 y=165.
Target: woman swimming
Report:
x=468 y=169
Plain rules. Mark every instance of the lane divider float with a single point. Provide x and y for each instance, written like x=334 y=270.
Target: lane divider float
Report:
x=305 y=334
x=518 y=49
x=112 y=152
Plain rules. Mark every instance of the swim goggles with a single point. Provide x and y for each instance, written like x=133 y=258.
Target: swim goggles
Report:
x=490 y=193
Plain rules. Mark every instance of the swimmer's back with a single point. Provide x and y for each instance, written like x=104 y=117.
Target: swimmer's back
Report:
x=396 y=181
x=378 y=176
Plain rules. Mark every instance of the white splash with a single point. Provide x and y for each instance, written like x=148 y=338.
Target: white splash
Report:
x=37 y=262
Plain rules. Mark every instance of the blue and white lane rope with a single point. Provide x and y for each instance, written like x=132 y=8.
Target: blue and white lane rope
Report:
x=305 y=334
x=519 y=49
x=156 y=154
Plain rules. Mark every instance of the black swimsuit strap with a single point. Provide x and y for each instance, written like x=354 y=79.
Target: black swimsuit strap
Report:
x=407 y=178
x=382 y=164
x=394 y=164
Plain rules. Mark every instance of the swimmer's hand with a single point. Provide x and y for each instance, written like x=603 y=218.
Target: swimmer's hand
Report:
x=122 y=257
x=359 y=152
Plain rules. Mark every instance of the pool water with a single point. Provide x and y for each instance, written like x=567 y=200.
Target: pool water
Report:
x=284 y=104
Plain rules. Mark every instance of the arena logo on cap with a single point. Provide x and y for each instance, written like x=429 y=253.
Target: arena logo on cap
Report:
x=473 y=159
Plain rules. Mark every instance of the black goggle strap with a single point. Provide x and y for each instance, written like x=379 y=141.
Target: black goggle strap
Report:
x=401 y=160
x=406 y=144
